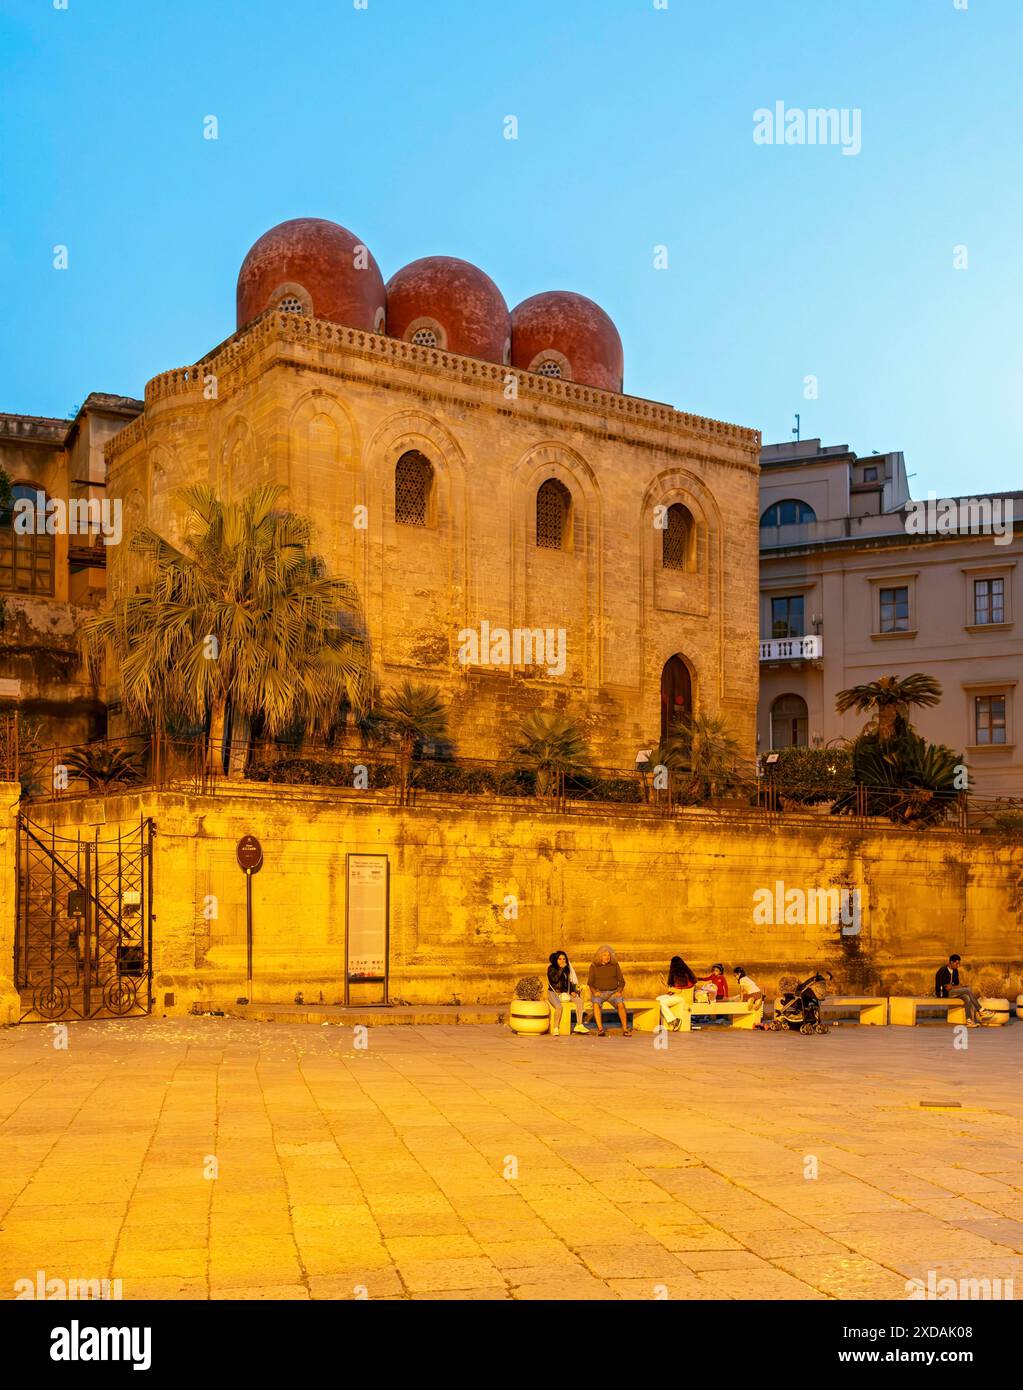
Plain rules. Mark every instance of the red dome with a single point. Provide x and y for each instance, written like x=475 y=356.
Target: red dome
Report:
x=440 y=292
x=318 y=265
x=571 y=331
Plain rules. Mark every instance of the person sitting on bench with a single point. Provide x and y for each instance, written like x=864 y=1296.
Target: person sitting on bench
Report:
x=716 y=978
x=607 y=982
x=680 y=978
x=562 y=979
x=749 y=991
x=947 y=986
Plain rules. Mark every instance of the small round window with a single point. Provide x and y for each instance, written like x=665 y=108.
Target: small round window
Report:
x=549 y=368
x=290 y=304
x=424 y=337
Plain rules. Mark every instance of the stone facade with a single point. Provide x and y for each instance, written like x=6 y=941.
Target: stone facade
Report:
x=330 y=410
x=651 y=887
x=42 y=605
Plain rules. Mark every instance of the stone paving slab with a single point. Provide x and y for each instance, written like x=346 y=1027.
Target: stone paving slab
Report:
x=237 y=1159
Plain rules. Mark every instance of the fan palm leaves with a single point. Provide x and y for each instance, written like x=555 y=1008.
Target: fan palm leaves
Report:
x=243 y=617
x=702 y=755
x=907 y=779
x=551 y=745
x=101 y=765
x=891 y=700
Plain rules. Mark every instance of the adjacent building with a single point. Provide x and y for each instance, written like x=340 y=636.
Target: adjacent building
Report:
x=858 y=580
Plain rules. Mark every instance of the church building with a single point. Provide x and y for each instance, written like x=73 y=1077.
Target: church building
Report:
x=521 y=532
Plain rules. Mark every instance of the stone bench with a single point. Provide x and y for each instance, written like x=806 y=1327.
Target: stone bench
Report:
x=903 y=1009
x=870 y=1009
x=683 y=1007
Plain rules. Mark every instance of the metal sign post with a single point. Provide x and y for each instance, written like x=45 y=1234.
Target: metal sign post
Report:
x=249 y=853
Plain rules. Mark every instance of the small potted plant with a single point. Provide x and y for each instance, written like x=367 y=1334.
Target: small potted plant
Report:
x=530 y=1012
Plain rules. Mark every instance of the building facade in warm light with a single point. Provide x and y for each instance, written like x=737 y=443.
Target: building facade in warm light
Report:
x=473 y=470
x=52 y=571
x=859 y=581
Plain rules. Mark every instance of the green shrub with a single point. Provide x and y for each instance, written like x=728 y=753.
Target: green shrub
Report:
x=808 y=776
x=1009 y=822
x=317 y=772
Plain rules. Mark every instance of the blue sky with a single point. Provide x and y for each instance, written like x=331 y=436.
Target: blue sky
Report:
x=635 y=131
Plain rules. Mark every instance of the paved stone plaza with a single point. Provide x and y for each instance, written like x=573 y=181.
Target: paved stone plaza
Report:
x=464 y=1162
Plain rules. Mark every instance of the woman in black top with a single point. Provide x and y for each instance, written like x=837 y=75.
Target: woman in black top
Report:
x=562 y=979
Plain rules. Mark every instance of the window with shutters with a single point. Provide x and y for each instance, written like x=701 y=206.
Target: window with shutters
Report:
x=26 y=551
x=413 y=479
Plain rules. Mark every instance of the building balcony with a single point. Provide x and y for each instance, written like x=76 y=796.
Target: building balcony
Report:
x=792 y=649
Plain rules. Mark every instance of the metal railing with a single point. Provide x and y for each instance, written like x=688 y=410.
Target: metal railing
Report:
x=167 y=762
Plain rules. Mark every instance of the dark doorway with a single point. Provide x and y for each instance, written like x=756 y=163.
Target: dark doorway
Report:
x=676 y=694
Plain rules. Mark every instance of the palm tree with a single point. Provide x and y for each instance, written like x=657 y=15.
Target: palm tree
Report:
x=242 y=618
x=552 y=746
x=907 y=779
x=702 y=754
x=411 y=713
x=103 y=766
x=891 y=700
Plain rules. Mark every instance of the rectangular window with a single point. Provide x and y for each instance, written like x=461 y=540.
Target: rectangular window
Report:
x=787 y=616
x=989 y=600
x=870 y=475
x=895 y=610
x=989 y=719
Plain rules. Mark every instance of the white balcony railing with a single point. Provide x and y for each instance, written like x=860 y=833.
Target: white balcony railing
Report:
x=792 y=649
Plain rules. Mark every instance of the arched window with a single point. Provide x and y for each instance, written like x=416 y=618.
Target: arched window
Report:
x=26 y=551
x=676 y=537
x=790 y=512
x=553 y=507
x=291 y=304
x=789 y=722
x=413 y=478
x=424 y=337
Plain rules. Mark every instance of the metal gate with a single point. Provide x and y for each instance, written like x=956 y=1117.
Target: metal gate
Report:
x=83 y=944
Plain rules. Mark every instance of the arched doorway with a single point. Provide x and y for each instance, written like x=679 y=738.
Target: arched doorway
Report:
x=789 y=721
x=676 y=694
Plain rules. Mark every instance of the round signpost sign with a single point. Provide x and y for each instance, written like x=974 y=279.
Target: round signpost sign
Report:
x=250 y=854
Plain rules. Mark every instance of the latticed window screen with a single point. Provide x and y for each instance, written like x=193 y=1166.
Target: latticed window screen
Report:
x=549 y=368
x=26 y=555
x=291 y=305
x=552 y=503
x=412 y=477
x=675 y=538
x=425 y=337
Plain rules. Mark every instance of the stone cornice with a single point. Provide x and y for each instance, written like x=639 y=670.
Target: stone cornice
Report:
x=34 y=429
x=296 y=331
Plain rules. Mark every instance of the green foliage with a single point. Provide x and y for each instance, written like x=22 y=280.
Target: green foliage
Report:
x=104 y=766
x=410 y=714
x=1009 y=823
x=530 y=988
x=703 y=758
x=306 y=771
x=550 y=744
x=808 y=776
x=6 y=497
x=907 y=779
x=891 y=699
x=243 y=615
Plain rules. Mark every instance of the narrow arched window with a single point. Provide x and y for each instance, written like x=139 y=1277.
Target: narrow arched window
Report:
x=676 y=536
x=413 y=478
x=553 y=504
x=26 y=550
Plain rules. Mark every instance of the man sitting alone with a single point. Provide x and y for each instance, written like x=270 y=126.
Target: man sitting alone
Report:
x=947 y=986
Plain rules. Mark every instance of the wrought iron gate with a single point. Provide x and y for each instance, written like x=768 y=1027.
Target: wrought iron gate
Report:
x=83 y=945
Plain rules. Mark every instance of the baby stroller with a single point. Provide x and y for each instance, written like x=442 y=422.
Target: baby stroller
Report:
x=800 y=1010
